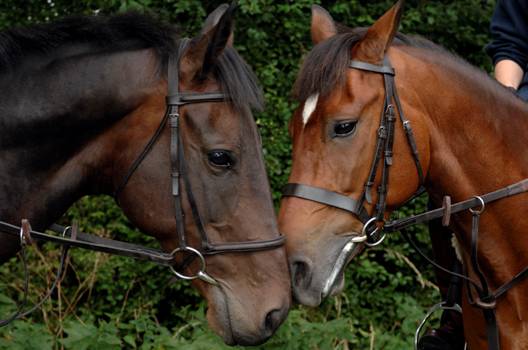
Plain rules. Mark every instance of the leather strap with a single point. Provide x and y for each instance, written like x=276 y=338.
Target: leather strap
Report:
x=92 y=242
x=369 y=67
x=323 y=196
x=511 y=190
x=189 y=98
x=488 y=311
x=245 y=247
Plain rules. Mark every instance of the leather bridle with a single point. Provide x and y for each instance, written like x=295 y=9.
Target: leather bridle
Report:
x=372 y=225
x=375 y=227
x=179 y=175
x=175 y=100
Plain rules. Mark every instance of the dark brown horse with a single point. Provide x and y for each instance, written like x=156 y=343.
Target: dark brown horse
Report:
x=81 y=98
x=471 y=137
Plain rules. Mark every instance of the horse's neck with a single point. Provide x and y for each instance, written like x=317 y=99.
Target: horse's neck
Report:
x=52 y=121
x=478 y=131
x=478 y=137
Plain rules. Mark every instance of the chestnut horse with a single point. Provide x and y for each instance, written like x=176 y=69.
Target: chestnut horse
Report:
x=471 y=138
x=81 y=98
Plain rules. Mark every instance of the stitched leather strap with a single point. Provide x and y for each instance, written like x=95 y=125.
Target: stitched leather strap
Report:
x=511 y=190
x=189 y=98
x=385 y=69
x=323 y=196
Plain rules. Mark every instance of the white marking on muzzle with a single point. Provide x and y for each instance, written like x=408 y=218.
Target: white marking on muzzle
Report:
x=309 y=107
x=338 y=268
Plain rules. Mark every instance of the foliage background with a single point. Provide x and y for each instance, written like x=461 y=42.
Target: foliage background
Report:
x=109 y=302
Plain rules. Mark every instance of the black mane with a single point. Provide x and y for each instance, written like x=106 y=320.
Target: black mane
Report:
x=324 y=66
x=128 y=31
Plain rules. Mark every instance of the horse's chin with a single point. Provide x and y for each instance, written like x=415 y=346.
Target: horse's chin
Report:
x=218 y=315
x=335 y=282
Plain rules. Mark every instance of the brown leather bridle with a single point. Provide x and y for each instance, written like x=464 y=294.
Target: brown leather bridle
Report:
x=175 y=100
x=382 y=154
x=375 y=226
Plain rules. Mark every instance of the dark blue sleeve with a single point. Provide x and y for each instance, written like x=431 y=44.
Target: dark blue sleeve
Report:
x=509 y=32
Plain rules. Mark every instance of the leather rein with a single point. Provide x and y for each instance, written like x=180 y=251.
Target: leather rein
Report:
x=375 y=226
x=179 y=175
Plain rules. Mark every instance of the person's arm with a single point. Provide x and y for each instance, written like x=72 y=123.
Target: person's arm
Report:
x=509 y=46
x=508 y=73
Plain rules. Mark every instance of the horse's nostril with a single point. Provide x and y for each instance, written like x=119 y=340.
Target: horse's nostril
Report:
x=300 y=273
x=273 y=320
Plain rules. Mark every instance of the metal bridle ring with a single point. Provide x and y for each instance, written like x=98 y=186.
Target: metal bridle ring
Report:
x=201 y=274
x=378 y=242
x=481 y=209
x=365 y=230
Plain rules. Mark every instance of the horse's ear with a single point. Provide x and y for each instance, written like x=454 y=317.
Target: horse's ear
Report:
x=379 y=36
x=213 y=19
x=323 y=25
x=204 y=49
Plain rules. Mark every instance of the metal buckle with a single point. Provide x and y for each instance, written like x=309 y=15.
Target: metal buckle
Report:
x=201 y=274
x=25 y=233
x=365 y=233
x=440 y=306
x=22 y=237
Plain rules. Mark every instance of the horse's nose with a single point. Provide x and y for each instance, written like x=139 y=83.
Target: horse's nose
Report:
x=306 y=291
x=243 y=334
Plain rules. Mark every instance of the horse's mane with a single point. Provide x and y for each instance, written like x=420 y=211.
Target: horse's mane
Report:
x=128 y=31
x=324 y=66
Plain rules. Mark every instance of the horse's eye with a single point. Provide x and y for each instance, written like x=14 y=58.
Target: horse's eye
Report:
x=220 y=158
x=343 y=129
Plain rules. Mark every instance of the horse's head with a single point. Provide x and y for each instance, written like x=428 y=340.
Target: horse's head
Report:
x=222 y=172
x=334 y=132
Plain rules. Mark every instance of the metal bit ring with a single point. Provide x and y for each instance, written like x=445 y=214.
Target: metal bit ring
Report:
x=201 y=274
x=364 y=232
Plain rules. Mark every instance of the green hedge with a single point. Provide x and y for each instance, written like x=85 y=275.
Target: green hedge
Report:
x=109 y=302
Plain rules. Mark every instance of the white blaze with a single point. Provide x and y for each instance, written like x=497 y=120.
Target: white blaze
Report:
x=309 y=107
